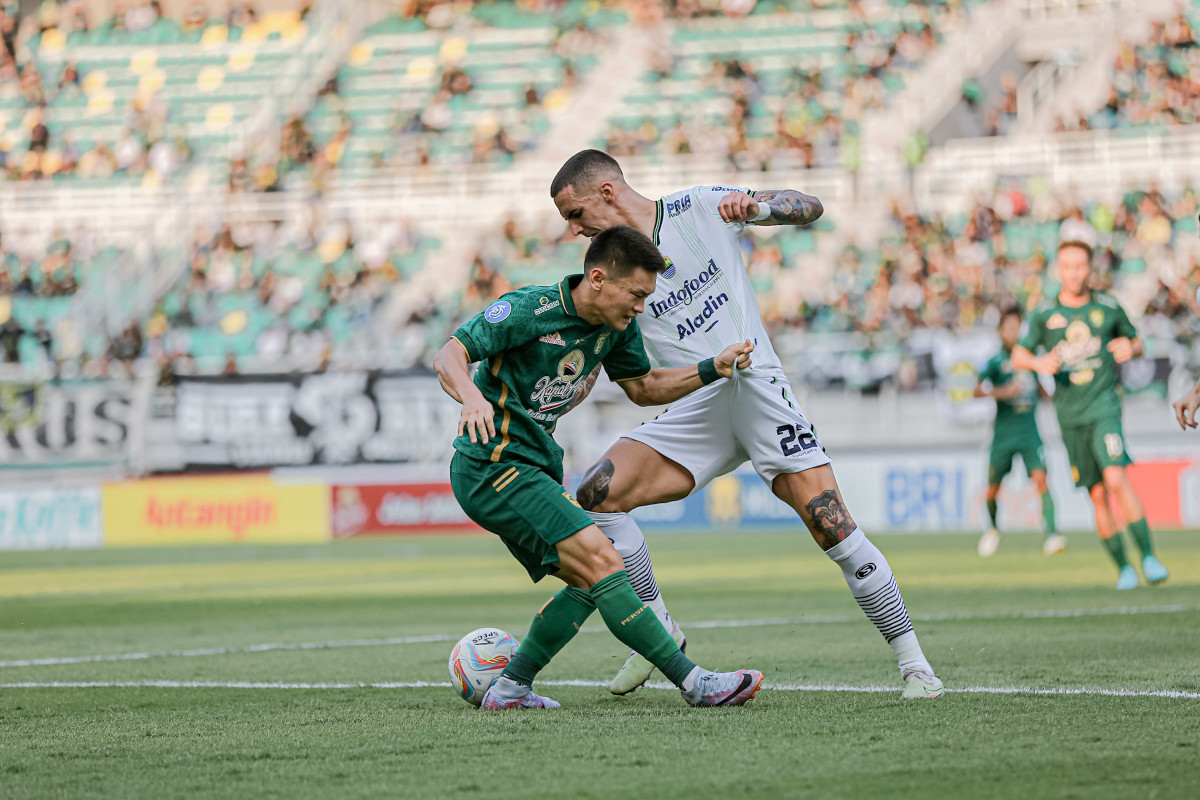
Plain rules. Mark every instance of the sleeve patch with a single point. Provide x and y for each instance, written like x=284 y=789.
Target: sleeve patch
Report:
x=497 y=311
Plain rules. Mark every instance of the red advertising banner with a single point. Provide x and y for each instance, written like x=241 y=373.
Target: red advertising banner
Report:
x=1167 y=489
x=396 y=508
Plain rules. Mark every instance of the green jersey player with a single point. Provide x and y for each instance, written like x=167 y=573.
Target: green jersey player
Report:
x=539 y=346
x=1016 y=393
x=1085 y=334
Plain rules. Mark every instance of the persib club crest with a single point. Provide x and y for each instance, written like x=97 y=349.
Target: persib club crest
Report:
x=550 y=393
x=669 y=272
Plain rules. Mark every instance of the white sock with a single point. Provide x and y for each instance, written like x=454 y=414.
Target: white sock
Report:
x=509 y=689
x=689 y=682
x=873 y=585
x=629 y=541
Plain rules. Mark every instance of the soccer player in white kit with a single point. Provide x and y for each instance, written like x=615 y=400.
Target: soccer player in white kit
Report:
x=701 y=301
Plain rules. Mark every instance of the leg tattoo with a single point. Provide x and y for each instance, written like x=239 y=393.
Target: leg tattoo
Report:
x=828 y=519
x=593 y=489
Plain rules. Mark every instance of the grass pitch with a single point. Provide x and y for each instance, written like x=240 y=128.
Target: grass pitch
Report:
x=294 y=672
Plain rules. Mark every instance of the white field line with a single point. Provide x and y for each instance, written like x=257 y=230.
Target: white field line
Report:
x=1173 y=694
x=717 y=623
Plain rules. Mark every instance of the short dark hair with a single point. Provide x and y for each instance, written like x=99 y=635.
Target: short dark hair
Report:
x=621 y=250
x=1082 y=245
x=586 y=165
x=1011 y=311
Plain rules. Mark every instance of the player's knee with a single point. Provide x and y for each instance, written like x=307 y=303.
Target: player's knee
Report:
x=600 y=562
x=1099 y=494
x=1114 y=479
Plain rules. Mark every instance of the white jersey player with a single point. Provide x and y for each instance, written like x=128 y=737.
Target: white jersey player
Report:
x=705 y=298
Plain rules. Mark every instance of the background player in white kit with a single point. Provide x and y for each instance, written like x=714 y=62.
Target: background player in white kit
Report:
x=702 y=300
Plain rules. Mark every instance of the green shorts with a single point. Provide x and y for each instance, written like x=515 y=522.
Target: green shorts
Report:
x=1094 y=446
x=522 y=505
x=1000 y=460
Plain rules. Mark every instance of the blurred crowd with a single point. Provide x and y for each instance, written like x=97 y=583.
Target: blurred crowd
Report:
x=808 y=115
x=1153 y=82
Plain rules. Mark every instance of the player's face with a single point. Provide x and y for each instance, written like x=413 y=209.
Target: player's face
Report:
x=587 y=210
x=622 y=299
x=1074 y=266
x=1010 y=330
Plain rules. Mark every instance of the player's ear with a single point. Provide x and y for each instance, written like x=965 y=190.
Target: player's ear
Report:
x=607 y=191
x=596 y=277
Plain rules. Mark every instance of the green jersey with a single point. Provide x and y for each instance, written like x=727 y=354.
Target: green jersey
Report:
x=536 y=353
x=1016 y=417
x=1086 y=383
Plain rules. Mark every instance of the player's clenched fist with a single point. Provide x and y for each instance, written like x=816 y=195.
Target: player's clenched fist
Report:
x=1185 y=408
x=1121 y=349
x=738 y=354
x=738 y=207
x=477 y=420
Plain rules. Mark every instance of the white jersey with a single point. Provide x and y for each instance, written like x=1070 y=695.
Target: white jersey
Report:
x=704 y=302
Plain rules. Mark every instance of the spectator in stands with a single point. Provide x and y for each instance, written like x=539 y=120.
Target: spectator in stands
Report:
x=44 y=339
x=10 y=340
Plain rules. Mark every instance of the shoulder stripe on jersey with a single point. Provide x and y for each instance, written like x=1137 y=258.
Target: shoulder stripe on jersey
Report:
x=658 y=219
x=507 y=414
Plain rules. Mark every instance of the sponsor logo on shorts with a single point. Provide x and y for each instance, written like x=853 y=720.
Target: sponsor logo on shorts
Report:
x=497 y=311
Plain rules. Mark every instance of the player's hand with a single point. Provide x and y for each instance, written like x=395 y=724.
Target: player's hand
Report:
x=477 y=420
x=1185 y=408
x=737 y=207
x=735 y=354
x=1121 y=349
x=1009 y=391
x=1048 y=364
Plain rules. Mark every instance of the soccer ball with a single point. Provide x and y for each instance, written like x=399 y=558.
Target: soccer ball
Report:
x=477 y=661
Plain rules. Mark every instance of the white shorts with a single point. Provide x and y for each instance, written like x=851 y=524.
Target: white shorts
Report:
x=717 y=428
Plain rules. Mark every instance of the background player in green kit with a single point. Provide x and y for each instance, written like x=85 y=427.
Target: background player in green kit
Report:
x=1086 y=334
x=539 y=345
x=1016 y=433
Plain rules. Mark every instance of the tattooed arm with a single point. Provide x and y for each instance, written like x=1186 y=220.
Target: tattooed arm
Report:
x=584 y=389
x=788 y=207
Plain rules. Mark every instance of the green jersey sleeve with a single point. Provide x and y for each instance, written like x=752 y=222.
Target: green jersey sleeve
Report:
x=1036 y=331
x=493 y=330
x=1122 y=327
x=990 y=371
x=627 y=358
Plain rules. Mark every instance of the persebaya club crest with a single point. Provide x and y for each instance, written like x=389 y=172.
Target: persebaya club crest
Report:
x=552 y=392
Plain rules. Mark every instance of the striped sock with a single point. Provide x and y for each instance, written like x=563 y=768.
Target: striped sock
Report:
x=629 y=541
x=873 y=585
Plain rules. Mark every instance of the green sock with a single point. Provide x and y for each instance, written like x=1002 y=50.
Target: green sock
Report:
x=992 y=507
x=1116 y=549
x=555 y=624
x=1048 y=513
x=1140 y=532
x=635 y=624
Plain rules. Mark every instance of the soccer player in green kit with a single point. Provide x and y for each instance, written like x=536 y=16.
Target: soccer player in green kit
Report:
x=1086 y=334
x=540 y=346
x=1016 y=394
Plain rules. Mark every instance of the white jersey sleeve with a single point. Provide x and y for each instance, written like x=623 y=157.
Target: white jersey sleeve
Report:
x=705 y=301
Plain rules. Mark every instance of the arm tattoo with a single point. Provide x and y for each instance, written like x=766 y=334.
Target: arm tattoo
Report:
x=828 y=519
x=789 y=207
x=584 y=389
x=593 y=489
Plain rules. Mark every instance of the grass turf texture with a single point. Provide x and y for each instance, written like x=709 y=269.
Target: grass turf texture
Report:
x=1015 y=620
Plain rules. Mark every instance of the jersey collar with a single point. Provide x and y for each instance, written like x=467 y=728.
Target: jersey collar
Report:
x=658 y=220
x=564 y=293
